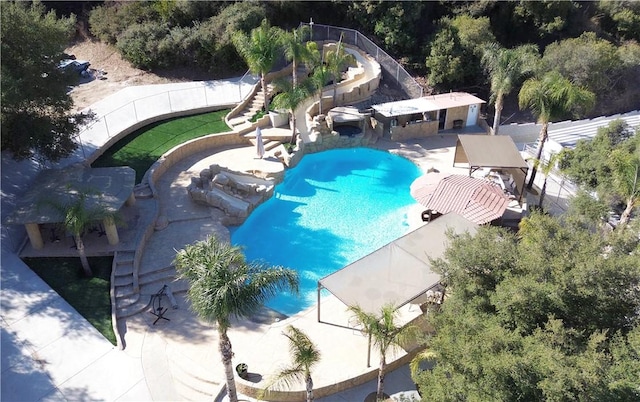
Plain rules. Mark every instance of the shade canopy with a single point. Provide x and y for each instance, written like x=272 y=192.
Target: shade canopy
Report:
x=478 y=200
x=494 y=152
x=398 y=272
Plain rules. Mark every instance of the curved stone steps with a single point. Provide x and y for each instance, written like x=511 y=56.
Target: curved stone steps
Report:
x=189 y=383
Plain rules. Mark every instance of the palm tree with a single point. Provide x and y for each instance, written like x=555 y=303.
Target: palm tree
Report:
x=223 y=284
x=549 y=98
x=290 y=97
x=384 y=333
x=505 y=68
x=78 y=217
x=626 y=179
x=337 y=60
x=305 y=355
x=260 y=50
x=546 y=167
x=295 y=48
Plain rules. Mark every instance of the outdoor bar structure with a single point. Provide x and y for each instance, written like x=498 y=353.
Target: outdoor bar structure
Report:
x=425 y=116
x=107 y=188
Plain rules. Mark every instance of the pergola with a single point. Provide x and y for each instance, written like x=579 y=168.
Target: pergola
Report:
x=108 y=188
x=398 y=272
x=494 y=152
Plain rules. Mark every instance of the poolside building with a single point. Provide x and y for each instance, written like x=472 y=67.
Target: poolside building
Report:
x=426 y=116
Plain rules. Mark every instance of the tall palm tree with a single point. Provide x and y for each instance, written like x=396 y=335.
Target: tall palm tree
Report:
x=385 y=333
x=305 y=355
x=321 y=74
x=506 y=67
x=337 y=60
x=290 y=96
x=546 y=167
x=295 y=48
x=260 y=50
x=223 y=284
x=549 y=98
x=79 y=216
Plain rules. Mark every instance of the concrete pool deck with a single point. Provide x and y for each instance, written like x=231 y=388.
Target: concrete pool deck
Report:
x=180 y=357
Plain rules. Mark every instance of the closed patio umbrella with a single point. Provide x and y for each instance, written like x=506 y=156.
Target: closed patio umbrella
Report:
x=259 y=143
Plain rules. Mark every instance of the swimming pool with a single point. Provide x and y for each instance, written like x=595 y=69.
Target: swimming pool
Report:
x=333 y=208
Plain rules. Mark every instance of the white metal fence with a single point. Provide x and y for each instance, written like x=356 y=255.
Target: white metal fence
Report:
x=391 y=69
x=158 y=102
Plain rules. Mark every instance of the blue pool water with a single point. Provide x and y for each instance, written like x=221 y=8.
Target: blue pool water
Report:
x=333 y=208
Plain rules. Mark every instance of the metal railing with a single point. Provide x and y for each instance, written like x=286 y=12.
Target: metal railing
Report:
x=208 y=95
x=391 y=69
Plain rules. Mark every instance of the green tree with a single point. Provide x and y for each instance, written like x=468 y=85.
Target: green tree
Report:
x=223 y=284
x=626 y=180
x=260 y=50
x=35 y=107
x=337 y=61
x=505 y=68
x=290 y=97
x=546 y=166
x=321 y=74
x=305 y=355
x=295 y=48
x=385 y=333
x=457 y=49
x=586 y=61
x=607 y=164
x=540 y=315
x=79 y=214
x=552 y=97
x=445 y=59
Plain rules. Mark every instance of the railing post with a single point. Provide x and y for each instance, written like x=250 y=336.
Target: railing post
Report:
x=169 y=98
x=106 y=126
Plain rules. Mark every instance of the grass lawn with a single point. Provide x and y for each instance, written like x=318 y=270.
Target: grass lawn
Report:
x=143 y=147
x=89 y=296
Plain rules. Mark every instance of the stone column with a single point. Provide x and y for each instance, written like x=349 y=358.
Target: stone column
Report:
x=112 y=231
x=131 y=201
x=35 y=237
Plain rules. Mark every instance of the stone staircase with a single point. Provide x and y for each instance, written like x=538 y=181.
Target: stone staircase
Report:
x=241 y=121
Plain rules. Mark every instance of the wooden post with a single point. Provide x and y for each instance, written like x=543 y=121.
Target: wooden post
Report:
x=35 y=237
x=112 y=231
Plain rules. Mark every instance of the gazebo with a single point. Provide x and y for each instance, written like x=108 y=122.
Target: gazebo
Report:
x=108 y=187
x=494 y=152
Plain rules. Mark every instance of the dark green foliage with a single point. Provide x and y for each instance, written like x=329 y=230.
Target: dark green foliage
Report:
x=456 y=51
x=35 y=104
x=586 y=61
x=610 y=164
x=551 y=314
x=142 y=148
x=89 y=296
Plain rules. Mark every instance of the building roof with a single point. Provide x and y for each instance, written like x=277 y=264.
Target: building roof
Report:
x=493 y=151
x=109 y=187
x=426 y=104
x=398 y=272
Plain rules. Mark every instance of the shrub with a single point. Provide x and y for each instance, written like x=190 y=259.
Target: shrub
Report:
x=140 y=44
